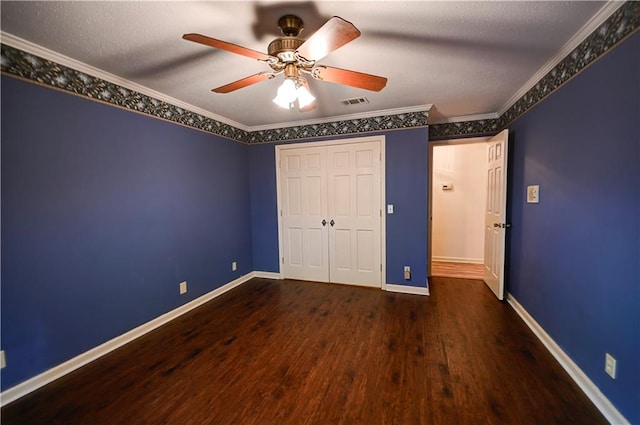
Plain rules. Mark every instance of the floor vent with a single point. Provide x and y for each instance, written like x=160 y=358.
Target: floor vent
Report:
x=354 y=101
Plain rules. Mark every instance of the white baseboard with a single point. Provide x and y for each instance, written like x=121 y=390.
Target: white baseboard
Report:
x=406 y=289
x=69 y=366
x=457 y=260
x=588 y=387
x=267 y=275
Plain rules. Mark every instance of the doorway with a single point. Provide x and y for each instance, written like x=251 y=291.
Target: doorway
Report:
x=457 y=197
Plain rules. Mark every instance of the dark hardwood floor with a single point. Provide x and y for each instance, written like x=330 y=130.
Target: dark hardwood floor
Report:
x=289 y=352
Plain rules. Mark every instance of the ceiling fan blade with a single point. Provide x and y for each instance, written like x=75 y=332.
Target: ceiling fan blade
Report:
x=336 y=32
x=349 y=78
x=244 y=82
x=229 y=47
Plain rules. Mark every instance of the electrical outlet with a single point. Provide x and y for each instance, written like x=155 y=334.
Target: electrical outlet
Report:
x=234 y=266
x=407 y=273
x=183 y=287
x=610 y=365
x=533 y=194
x=3 y=360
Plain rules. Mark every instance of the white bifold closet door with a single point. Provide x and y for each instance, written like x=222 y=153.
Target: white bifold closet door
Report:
x=330 y=208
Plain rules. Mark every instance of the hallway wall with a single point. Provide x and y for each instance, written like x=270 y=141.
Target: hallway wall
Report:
x=458 y=213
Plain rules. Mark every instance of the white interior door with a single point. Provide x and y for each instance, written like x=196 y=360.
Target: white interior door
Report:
x=354 y=213
x=495 y=213
x=330 y=205
x=304 y=207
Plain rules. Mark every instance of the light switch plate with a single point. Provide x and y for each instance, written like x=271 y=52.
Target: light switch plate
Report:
x=533 y=194
x=390 y=209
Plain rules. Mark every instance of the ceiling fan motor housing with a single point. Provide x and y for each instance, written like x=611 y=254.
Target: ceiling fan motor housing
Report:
x=284 y=48
x=290 y=25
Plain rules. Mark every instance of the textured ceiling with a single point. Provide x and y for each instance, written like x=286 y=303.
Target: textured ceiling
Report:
x=465 y=58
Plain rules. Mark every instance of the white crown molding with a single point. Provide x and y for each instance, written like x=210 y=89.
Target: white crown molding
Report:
x=598 y=19
x=34 y=49
x=586 y=385
x=363 y=115
x=463 y=118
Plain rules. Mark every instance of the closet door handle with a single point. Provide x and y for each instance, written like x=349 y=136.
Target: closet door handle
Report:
x=332 y=222
x=324 y=223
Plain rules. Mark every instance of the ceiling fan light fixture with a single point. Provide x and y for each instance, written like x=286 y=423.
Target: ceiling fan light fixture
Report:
x=287 y=94
x=293 y=89
x=305 y=98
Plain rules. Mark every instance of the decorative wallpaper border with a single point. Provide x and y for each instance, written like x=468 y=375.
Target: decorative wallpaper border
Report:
x=26 y=66
x=466 y=128
x=352 y=126
x=29 y=67
x=621 y=24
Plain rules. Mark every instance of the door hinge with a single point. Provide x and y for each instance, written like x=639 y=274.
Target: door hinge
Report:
x=282 y=260
x=380 y=267
x=280 y=213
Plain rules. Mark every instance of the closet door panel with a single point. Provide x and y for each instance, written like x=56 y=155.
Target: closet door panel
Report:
x=303 y=208
x=353 y=174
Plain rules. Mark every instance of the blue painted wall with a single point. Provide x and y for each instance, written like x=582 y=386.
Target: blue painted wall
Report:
x=264 y=207
x=104 y=212
x=406 y=188
x=575 y=256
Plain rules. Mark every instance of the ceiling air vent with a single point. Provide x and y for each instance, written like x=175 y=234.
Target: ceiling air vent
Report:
x=354 y=101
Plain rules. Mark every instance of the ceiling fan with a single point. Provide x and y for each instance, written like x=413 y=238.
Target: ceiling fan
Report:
x=294 y=56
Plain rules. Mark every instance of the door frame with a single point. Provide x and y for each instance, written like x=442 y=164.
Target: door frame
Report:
x=467 y=141
x=383 y=225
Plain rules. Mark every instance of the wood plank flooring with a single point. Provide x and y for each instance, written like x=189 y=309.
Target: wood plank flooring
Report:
x=290 y=352
x=459 y=270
